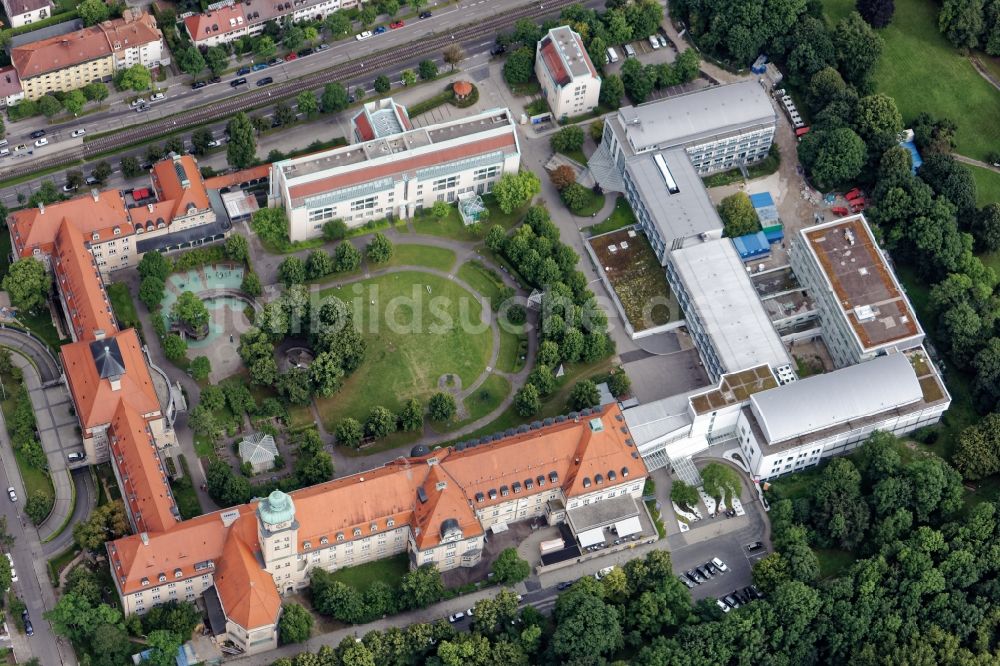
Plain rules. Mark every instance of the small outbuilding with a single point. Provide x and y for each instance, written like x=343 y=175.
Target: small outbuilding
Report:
x=260 y=451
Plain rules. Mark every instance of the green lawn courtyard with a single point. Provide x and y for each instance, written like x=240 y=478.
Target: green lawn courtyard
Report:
x=415 y=337
x=987 y=185
x=922 y=71
x=389 y=570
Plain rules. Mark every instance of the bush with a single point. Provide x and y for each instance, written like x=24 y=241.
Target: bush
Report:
x=38 y=507
x=442 y=406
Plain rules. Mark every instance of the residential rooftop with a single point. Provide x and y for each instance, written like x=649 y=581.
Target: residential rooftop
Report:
x=695 y=116
x=726 y=303
x=868 y=292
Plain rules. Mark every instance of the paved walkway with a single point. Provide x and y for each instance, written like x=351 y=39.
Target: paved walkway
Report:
x=973 y=162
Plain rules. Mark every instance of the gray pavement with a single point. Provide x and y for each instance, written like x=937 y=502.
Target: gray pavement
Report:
x=30 y=563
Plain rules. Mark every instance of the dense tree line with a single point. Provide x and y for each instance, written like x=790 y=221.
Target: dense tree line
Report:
x=970 y=24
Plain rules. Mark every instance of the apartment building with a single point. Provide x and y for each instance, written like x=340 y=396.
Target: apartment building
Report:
x=24 y=12
x=70 y=61
x=394 y=170
x=566 y=74
x=437 y=506
x=116 y=229
x=862 y=307
x=229 y=20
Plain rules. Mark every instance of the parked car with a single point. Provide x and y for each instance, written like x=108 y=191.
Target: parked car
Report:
x=264 y=81
x=69 y=188
x=235 y=83
x=275 y=61
x=694 y=576
x=397 y=24
x=705 y=573
x=13 y=573
x=198 y=85
x=565 y=585
x=710 y=568
x=629 y=51
x=215 y=79
x=754 y=547
x=498 y=49
x=28 y=629
x=91 y=180
x=214 y=143
x=753 y=591
x=685 y=581
x=379 y=30
x=37 y=134
x=76 y=456
x=243 y=71
x=11 y=494
x=602 y=573
x=41 y=142
x=155 y=97
x=654 y=42
x=258 y=67
x=322 y=47
x=662 y=40
x=290 y=57
x=305 y=52
x=719 y=564
x=425 y=15
x=362 y=36
x=78 y=132
x=732 y=601
x=721 y=604
x=456 y=617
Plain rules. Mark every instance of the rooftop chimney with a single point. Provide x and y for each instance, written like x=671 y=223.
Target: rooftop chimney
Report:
x=116 y=383
x=96 y=194
x=41 y=208
x=145 y=538
x=98 y=333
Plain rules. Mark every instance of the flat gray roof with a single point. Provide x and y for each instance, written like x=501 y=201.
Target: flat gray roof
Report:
x=688 y=212
x=821 y=401
x=653 y=420
x=727 y=304
x=697 y=115
x=599 y=514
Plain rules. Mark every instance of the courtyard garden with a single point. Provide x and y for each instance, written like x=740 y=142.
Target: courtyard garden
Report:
x=638 y=279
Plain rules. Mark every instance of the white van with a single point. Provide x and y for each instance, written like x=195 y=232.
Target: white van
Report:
x=612 y=55
x=629 y=51
x=4 y=152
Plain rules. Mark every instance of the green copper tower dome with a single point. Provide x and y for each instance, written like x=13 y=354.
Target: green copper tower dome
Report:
x=276 y=509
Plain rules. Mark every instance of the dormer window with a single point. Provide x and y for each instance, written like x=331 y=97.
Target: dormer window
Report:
x=357 y=531
x=177 y=573
x=307 y=545
x=162 y=578
x=340 y=536
x=390 y=522
x=117 y=230
x=96 y=236
x=373 y=527
x=323 y=541
x=144 y=581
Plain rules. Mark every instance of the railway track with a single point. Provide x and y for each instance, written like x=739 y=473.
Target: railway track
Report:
x=273 y=93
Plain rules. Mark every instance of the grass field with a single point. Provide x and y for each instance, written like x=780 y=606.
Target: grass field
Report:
x=410 y=345
x=922 y=71
x=123 y=306
x=440 y=258
x=390 y=570
x=485 y=399
x=987 y=185
x=621 y=216
x=512 y=347
x=482 y=279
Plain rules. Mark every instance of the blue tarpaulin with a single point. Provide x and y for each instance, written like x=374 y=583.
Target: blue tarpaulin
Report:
x=752 y=246
x=914 y=154
x=766 y=211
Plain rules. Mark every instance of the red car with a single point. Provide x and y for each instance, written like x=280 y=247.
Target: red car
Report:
x=853 y=194
x=839 y=210
x=290 y=57
x=397 y=24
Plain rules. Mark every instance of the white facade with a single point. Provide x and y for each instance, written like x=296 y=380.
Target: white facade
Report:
x=21 y=12
x=395 y=176
x=566 y=74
